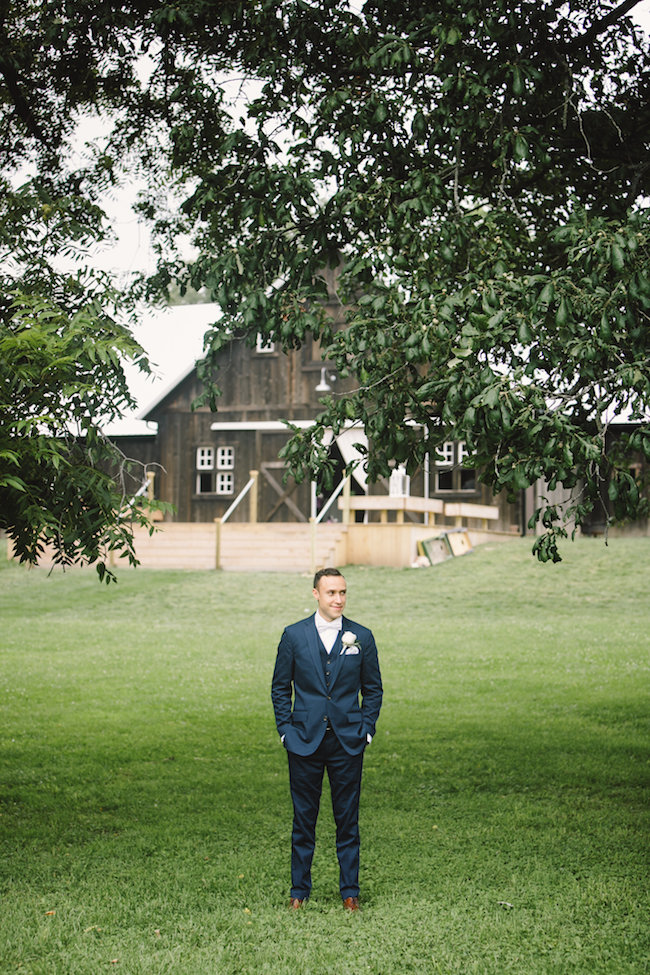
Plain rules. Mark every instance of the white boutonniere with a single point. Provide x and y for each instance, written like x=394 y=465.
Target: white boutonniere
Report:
x=350 y=642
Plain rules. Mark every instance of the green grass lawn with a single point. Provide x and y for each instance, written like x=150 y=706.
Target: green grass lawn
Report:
x=144 y=803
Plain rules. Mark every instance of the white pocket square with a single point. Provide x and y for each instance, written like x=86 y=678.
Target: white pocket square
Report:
x=351 y=650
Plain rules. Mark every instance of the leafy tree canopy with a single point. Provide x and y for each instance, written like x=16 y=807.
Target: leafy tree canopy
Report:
x=481 y=170
x=58 y=372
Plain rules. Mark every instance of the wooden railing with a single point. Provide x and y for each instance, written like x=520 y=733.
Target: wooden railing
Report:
x=427 y=506
x=252 y=486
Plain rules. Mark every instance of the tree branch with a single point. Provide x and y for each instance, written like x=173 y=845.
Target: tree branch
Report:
x=21 y=106
x=601 y=25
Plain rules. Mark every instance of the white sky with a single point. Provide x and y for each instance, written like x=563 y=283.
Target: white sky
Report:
x=173 y=339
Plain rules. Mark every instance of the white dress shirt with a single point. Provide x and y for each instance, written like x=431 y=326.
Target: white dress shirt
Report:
x=328 y=630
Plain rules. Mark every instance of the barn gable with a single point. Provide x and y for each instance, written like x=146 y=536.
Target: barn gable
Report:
x=205 y=458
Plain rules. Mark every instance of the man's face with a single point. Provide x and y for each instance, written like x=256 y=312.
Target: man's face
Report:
x=330 y=596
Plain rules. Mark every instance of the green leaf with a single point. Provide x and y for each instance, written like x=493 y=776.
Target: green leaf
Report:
x=563 y=312
x=618 y=257
x=8 y=480
x=419 y=126
x=520 y=150
x=517 y=81
x=547 y=294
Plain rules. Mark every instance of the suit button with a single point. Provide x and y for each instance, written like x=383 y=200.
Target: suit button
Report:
x=325 y=718
x=329 y=698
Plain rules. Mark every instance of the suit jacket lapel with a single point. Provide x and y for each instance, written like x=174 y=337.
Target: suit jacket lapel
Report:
x=313 y=643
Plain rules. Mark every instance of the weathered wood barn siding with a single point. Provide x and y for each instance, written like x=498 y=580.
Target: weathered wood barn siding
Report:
x=257 y=388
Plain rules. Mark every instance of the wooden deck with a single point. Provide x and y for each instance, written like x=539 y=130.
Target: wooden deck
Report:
x=283 y=547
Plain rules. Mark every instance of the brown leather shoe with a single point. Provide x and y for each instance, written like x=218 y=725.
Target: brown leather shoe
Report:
x=295 y=903
x=351 y=903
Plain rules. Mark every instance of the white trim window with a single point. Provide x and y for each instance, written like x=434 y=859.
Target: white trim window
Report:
x=214 y=470
x=451 y=474
x=225 y=483
x=463 y=451
x=204 y=458
x=263 y=344
x=225 y=458
x=445 y=454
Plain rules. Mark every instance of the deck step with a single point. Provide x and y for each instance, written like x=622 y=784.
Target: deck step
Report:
x=243 y=547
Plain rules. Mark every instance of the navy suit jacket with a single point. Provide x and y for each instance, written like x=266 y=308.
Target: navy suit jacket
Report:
x=299 y=667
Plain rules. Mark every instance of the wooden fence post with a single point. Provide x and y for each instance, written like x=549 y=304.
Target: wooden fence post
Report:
x=346 y=501
x=217 y=543
x=254 y=498
x=312 y=527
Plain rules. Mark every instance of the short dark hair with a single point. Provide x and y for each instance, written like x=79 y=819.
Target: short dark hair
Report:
x=325 y=572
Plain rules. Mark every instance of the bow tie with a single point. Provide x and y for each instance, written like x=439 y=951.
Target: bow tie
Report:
x=322 y=627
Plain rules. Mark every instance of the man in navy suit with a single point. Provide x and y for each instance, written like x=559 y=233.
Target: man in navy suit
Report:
x=324 y=663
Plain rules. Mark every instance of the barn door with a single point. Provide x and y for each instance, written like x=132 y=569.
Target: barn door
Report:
x=281 y=494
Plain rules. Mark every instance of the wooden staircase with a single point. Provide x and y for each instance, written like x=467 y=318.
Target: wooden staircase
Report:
x=177 y=545
x=240 y=547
